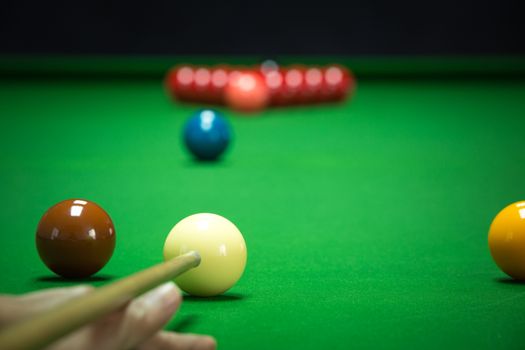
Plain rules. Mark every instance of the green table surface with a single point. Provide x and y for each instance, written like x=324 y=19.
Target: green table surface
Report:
x=366 y=222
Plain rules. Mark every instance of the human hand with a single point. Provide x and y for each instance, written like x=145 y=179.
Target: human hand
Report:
x=137 y=325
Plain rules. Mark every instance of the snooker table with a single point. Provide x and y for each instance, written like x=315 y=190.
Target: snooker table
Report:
x=366 y=221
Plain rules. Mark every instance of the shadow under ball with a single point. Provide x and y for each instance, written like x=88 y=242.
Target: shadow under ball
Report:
x=75 y=238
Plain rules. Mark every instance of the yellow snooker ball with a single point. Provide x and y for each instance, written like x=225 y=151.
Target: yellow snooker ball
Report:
x=507 y=240
x=221 y=247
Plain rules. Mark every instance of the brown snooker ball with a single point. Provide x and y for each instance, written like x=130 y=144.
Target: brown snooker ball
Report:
x=75 y=238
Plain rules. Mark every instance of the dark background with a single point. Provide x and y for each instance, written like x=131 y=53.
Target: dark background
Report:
x=364 y=27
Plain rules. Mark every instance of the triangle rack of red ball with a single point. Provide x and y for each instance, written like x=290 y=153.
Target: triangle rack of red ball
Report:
x=254 y=88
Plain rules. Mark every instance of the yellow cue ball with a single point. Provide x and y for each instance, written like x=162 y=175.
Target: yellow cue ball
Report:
x=221 y=247
x=507 y=240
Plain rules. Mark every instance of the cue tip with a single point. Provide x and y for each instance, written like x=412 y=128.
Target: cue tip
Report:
x=197 y=257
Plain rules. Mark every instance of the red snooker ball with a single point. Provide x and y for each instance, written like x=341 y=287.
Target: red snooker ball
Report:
x=275 y=83
x=179 y=82
x=247 y=91
x=219 y=80
x=338 y=82
x=293 y=85
x=202 y=85
x=313 y=81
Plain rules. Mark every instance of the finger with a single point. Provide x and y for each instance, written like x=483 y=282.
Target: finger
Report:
x=15 y=308
x=147 y=314
x=129 y=326
x=173 y=341
x=51 y=293
x=50 y=298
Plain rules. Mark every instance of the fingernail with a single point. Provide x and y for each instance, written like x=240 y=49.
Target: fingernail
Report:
x=166 y=295
x=79 y=290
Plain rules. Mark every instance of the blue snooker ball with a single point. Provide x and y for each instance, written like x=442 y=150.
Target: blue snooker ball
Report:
x=207 y=134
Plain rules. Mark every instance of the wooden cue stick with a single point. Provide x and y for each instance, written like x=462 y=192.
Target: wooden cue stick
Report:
x=45 y=328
